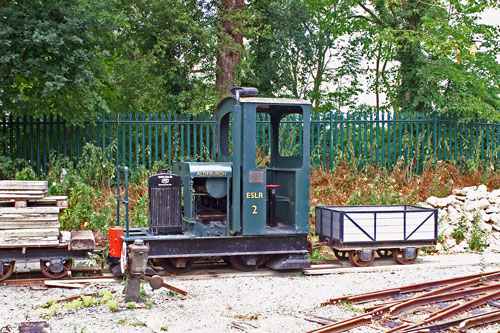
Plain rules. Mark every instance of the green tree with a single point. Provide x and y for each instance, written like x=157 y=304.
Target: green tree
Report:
x=298 y=48
x=442 y=58
x=164 y=57
x=52 y=57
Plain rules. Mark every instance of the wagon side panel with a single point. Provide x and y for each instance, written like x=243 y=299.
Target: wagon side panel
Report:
x=420 y=225
x=359 y=227
x=390 y=226
x=328 y=224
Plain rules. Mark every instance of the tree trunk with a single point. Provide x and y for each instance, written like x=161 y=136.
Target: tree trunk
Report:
x=230 y=43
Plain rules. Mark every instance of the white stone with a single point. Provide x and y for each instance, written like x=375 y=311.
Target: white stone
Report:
x=482 y=188
x=463 y=191
x=484 y=216
x=495 y=193
x=492 y=209
x=460 y=197
x=475 y=195
x=495 y=218
x=476 y=205
x=440 y=202
x=453 y=213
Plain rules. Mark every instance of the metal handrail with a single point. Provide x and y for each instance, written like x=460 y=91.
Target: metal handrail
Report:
x=120 y=200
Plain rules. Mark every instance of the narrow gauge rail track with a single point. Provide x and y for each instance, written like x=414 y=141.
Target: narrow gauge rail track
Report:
x=462 y=302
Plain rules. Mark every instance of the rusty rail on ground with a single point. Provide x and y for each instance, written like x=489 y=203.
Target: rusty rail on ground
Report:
x=477 y=290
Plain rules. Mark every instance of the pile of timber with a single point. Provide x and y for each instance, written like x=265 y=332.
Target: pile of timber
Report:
x=27 y=216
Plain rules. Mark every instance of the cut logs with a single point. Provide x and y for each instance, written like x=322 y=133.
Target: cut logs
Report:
x=27 y=216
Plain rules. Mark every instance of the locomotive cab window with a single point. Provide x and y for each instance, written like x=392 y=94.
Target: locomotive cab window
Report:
x=225 y=135
x=279 y=136
x=290 y=135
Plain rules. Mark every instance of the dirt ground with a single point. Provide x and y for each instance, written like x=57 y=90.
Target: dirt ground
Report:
x=261 y=301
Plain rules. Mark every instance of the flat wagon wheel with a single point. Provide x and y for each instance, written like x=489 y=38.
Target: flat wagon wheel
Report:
x=173 y=267
x=384 y=253
x=239 y=263
x=7 y=270
x=341 y=255
x=355 y=259
x=47 y=271
x=399 y=256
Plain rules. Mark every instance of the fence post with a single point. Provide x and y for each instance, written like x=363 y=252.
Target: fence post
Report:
x=434 y=135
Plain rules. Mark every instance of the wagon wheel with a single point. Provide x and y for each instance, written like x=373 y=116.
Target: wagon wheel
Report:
x=238 y=262
x=384 y=253
x=355 y=259
x=45 y=268
x=8 y=269
x=341 y=255
x=170 y=264
x=399 y=256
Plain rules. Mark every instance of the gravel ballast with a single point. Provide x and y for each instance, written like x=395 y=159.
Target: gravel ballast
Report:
x=260 y=301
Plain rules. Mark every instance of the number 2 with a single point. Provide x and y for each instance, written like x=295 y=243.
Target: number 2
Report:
x=254 y=212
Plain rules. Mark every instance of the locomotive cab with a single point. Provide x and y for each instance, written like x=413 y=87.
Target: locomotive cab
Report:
x=251 y=206
x=267 y=141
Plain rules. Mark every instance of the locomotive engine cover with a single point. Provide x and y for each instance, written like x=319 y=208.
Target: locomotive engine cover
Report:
x=165 y=203
x=206 y=203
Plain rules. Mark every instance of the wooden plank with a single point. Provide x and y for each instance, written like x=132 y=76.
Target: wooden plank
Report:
x=30 y=210
x=20 y=191
x=82 y=240
x=32 y=218
x=53 y=241
x=29 y=225
x=23 y=184
x=54 y=198
x=61 y=284
x=58 y=201
x=21 y=196
x=39 y=233
x=65 y=236
x=37 y=245
x=20 y=204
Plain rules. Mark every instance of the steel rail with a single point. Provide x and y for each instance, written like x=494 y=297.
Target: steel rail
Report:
x=487 y=318
x=459 y=285
x=365 y=297
x=404 y=305
x=410 y=303
x=455 y=310
x=455 y=322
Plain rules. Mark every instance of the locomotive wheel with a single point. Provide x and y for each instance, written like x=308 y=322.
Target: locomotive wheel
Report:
x=384 y=253
x=8 y=269
x=341 y=255
x=227 y=260
x=170 y=266
x=355 y=259
x=45 y=269
x=399 y=256
x=239 y=263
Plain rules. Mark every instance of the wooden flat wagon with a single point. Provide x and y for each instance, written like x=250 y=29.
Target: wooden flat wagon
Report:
x=358 y=232
x=30 y=230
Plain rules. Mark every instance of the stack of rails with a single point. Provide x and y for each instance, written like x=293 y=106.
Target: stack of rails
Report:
x=28 y=217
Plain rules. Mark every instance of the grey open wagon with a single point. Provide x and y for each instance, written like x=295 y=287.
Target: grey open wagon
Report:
x=358 y=232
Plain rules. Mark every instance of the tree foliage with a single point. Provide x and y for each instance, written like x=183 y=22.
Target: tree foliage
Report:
x=297 y=46
x=52 y=57
x=77 y=58
x=165 y=56
x=442 y=58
